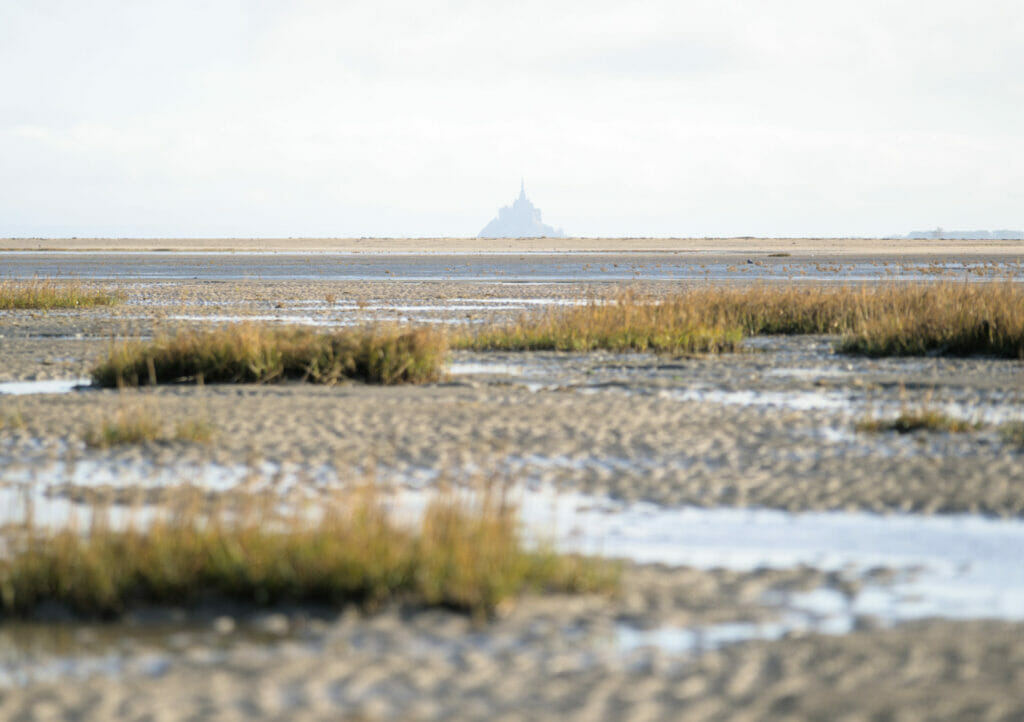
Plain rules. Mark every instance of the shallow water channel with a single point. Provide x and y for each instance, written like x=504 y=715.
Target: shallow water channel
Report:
x=488 y=267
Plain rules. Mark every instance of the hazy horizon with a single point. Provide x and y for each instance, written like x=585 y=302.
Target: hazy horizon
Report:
x=914 y=235
x=717 y=118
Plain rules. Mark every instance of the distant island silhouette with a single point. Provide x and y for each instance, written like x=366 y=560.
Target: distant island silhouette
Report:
x=520 y=220
x=940 y=234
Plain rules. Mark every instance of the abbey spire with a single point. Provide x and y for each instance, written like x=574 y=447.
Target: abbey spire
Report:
x=520 y=220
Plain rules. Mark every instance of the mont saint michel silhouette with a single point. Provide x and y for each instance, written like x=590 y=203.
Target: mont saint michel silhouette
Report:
x=519 y=220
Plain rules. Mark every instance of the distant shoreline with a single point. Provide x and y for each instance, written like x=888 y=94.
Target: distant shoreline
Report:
x=824 y=247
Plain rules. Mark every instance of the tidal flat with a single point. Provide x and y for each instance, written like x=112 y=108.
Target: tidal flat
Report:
x=780 y=561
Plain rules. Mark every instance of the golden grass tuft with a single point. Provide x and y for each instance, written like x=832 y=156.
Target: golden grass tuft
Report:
x=764 y=309
x=134 y=424
x=196 y=430
x=626 y=323
x=252 y=353
x=888 y=319
x=129 y=426
x=249 y=547
x=944 y=318
x=48 y=294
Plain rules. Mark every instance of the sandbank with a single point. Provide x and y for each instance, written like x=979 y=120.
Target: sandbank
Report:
x=811 y=247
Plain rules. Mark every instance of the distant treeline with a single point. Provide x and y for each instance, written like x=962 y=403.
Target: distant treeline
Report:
x=939 y=233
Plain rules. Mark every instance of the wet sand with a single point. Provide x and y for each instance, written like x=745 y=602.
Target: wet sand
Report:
x=369 y=669
x=579 y=658
x=870 y=248
x=636 y=446
x=773 y=427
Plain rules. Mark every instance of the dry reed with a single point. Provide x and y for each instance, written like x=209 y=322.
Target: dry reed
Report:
x=945 y=318
x=888 y=319
x=250 y=547
x=626 y=323
x=246 y=352
x=131 y=425
x=136 y=423
x=49 y=294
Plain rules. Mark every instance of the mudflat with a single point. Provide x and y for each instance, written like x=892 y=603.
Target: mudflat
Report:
x=434 y=666
x=649 y=438
x=773 y=427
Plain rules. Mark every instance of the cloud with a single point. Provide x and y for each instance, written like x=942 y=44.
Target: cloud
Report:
x=418 y=118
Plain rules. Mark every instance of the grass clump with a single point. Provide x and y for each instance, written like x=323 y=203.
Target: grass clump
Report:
x=764 y=309
x=626 y=323
x=250 y=548
x=246 y=352
x=885 y=320
x=129 y=426
x=949 y=319
x=196 y=430
x=46 y=294
x=136 y=424
x=910 y=421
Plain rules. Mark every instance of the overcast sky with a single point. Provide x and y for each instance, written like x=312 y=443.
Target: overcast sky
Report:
x=418 y=118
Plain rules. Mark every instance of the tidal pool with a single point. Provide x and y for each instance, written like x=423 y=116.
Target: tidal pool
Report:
x=48 y=386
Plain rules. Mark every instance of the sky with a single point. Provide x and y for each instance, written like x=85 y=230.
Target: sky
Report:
x=265 y=118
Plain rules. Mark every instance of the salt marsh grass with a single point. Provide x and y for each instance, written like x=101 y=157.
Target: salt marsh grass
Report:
x=764 y=309
x=251 y=547
x=48 y=294
x=196 y=430
x=131 y=425
x=949 y=319
x=137 y=423
x=877 y=320
x=886 y=319
x=626 y=323
x=253 y=353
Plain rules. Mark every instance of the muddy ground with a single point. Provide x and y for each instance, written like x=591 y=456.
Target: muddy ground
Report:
x=771 y=427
